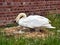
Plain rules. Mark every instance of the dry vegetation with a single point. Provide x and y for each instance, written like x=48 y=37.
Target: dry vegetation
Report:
x=41 y=34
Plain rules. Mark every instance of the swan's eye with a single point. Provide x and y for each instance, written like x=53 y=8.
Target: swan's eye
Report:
x=21 y=16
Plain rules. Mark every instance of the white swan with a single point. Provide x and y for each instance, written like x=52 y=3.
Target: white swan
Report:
x=33 y=21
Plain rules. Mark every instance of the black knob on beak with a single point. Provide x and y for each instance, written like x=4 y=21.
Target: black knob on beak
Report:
x=14 y=21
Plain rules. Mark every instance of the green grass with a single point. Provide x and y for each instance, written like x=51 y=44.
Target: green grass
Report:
x=51 y=40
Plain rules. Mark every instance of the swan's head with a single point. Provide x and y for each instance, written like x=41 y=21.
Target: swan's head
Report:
x=20 y=16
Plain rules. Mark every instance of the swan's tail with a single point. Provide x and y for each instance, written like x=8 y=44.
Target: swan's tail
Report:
x=52 y=27
x=49 y=26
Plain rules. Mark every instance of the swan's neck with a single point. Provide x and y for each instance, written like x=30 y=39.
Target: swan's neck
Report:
x=20 y=17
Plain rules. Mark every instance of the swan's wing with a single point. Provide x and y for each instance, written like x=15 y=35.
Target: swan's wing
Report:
x=37 y=22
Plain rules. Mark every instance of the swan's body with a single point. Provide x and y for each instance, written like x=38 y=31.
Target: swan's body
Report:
x=33 y=21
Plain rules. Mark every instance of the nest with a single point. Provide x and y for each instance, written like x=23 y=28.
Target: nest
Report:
x=41 y=34
x=10 y=31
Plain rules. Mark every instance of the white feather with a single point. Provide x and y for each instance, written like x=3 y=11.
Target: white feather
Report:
x=33 y=21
